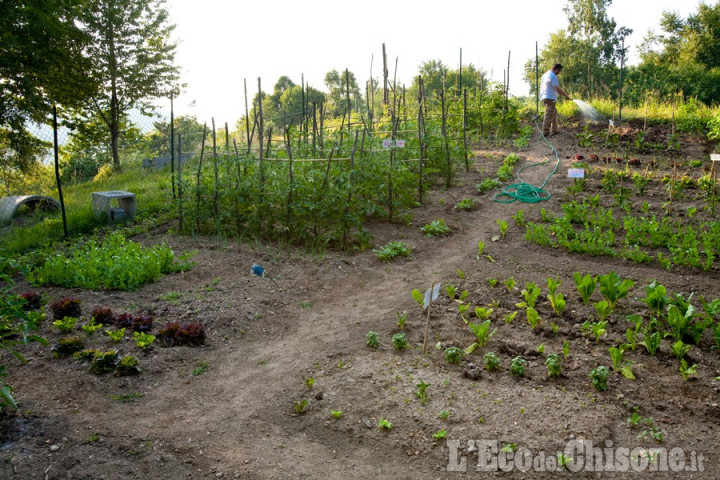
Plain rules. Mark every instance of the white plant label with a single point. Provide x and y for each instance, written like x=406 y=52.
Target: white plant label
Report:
x=431 y=295
x=576 y=173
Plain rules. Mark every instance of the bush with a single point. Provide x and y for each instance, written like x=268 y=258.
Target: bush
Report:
x=117 y=263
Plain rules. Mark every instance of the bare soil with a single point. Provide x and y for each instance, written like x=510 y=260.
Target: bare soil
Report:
x=225 y=410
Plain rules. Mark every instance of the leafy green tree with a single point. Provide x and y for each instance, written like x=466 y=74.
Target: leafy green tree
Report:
x=41 y=63
x=337 y=84
x=132 y=59
x=187 y=126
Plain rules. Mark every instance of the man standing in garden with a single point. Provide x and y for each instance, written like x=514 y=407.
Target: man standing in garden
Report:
x=549 y=88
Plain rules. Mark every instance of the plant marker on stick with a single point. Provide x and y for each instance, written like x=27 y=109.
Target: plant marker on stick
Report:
x=259 y=271
x=431 y=295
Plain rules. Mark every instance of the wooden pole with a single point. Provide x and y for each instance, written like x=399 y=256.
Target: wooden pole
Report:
x=172 y=146
x=215 y=170
x=427 y=322
x=314 y=134
x=464 y=127
x=56 y=151
x=537 y=80
x=448 y=175
x=199 y=170
x=385 y=77
x=179 y=182
x=347 y=97
x=291 y=180
x=420 y=140
x=459 y=89
x=260 y=132
x=247 y=118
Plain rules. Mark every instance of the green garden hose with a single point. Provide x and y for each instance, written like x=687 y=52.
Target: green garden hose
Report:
x=524 y=191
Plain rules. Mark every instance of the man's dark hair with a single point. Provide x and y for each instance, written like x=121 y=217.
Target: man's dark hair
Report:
x=557 y=66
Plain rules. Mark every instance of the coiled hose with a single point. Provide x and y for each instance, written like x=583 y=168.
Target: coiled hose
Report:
x=526 y=192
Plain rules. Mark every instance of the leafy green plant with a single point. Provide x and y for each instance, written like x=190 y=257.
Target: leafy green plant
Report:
x=421 y=387
x=128 y=365
x=66 y=325
x=451 y=291
x=552 y=362
x=309 y=383
x=518 y=217
x=453 y=354
x=402 y=317
x=174 y=333
x=493 y=282
x=599 y=329
x=540 y=349
x=617 y=357
x=517 y=366
x=464 y=295
x=487 y=184
x=599 y=377
x=614 y=288
x=656 y=298
x=466 y=204
x=651 y=341
x=687 y=371
x=336 y=413
x=557 y=300
x=115 y=335
x=92 y=327
x=491 y=361
x=384 y=424
x=104 y=362
x=436 y=228
x=531 y=294
x=679 y=349
x=444 y=414
x=371 y=339
x=301 y=406
x=418 y=297
x=632 y=333
x=681 y=323
x=503 y=227
x=566 y=348
x=143 y=340
x=103 y=316
x=533 y=317
x=483 y=313
x=510 y=284
x=201 y=367
x=67 y=346
x=483 y=334
x=585 y=286
x=440 y=434
x=86 y=267
x=510 y=317
x=391 y=251
x=399 y=341
x=603 y=309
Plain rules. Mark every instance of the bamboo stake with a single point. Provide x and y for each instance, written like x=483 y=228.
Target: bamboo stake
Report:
x=291 y=179
x=260 y=133
x=420 y=140
x=464 y=127
x=247 y=118
x=385 y=77
x=215 y=171
x=347 y=95
x=448 y=176
x=179 y=182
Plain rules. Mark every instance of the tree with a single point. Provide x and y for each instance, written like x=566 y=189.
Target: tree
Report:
x=337 y=84
x=132 y=60
x=41 y=63
x=588 y=49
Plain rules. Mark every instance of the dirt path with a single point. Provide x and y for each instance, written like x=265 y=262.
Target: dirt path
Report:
x=236 y=419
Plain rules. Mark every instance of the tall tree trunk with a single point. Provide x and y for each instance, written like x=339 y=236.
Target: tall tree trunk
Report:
x=114 y=102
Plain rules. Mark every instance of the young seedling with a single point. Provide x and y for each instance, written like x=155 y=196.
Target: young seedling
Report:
x=483 y=334
x=300 y=406
x=566 y=348
x=309 y=382
x=603 y=309
x=557 y=300
x=541 y=348
x=444 y=414
x=399 y=341
x=451 y=291
x=598 y=330
x=518 y=217
x=392 y=251
x=453 y=355
x=493 y=282
x=66 y=325
x=679 y=349
x=371 y=340
x=517 y=366
x=436 y=228
x=464 y=295
x=510 y=284
x=384 y=424
x=533 y=317
x=585 y=286
x=466 y=204
x=336 y=413
x=510 y=317
x=481 y=249
x=613 y=288
x=503 y=227
x=440 y=435
x=616 y=355
x=461 y=274
x=115 y=335
x=491 y=361
x=531 y=294
x=418 y=297
x=656 y=298
x=553 y=365
x=483 y=313
x=686 y=371
x=402 y=317
x=422 y=386
x=92 y=327
x=598 y=377
x=631 y=334
x=143 y=340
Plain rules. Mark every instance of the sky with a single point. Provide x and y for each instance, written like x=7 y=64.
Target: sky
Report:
x=223 y=42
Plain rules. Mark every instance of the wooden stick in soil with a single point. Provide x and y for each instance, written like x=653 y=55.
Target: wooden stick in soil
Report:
x=260 y=133
x=420 y=142
x=385 y=77
x=247 y=118
x=199 y=170
x=672 y=187
x=427 y=322
x=314 y=132
x=347 y=97
x=179 y=182
x=291 y=180
x=215 y=171
x=448 y=175
x=464 y=127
